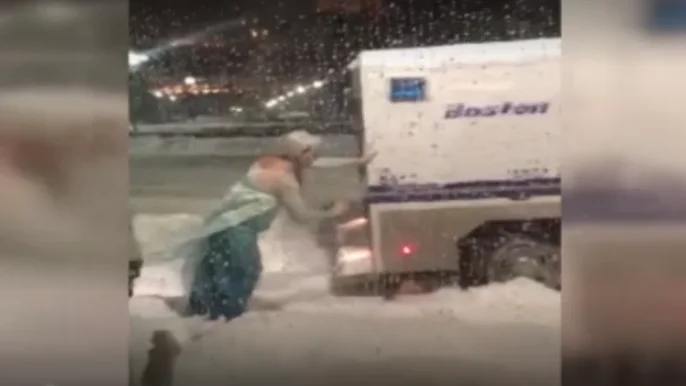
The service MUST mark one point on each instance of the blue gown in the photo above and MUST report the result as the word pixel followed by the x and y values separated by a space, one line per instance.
pixel 228 264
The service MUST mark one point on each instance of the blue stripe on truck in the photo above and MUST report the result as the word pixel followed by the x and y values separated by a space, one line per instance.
pixel 650 203
pixel 468 190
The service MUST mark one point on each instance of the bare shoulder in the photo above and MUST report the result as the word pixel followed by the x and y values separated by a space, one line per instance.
pixel 272 173
pixel 275 164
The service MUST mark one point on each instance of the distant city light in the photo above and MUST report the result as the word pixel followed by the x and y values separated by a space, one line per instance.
pixel 172 98
pixel 188 89
pixel 299 90
pixel 257 33
pixel 190 81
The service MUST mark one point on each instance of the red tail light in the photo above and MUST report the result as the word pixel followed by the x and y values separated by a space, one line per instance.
pixel 407 250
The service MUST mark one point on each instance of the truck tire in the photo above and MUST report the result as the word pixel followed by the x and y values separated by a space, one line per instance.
pixel 520 256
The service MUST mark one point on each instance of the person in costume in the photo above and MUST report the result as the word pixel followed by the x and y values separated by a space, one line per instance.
pixel 227 265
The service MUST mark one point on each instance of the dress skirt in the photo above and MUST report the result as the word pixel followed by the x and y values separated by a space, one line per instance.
pixel 227 274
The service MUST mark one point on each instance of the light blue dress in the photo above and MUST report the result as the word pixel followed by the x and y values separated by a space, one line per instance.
pixel 226 260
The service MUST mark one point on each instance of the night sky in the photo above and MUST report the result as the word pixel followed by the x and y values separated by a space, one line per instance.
pixel 267 46
pixel 155 19
pixel 152 20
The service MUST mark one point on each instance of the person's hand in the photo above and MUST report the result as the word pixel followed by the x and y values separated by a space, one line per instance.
pixel 367 158
pixel 339 208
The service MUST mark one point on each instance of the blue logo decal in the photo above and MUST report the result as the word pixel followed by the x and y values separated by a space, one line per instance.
pixel 408 90
pixel 462 110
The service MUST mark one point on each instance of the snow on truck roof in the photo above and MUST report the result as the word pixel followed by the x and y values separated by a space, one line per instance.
pixel 513 51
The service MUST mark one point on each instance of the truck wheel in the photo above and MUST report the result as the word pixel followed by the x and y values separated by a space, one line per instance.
pixel 524 257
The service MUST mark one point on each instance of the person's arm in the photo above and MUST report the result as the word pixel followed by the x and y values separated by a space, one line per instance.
pixel 325 163
pixel 328 163
pixel 289 193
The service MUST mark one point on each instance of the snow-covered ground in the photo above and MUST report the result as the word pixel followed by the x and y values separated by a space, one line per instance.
pixel 501 333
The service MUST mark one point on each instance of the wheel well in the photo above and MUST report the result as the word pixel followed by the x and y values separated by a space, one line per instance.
pixel 475 248
pixel 543 229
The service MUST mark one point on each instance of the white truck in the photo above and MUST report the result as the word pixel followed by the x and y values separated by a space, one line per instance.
pixel 466 184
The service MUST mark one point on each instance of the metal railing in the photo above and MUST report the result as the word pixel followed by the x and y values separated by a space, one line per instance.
pixel 237 129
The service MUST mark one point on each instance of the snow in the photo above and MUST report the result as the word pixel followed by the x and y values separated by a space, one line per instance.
pixel 296 271
pixel 511 327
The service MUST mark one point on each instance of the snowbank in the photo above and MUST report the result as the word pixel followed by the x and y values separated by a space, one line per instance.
pixel 506 333
pixel 295 271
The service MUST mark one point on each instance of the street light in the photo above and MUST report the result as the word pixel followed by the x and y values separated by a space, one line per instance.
pixel 136 59
pixel 190 81
pixel 318 84
pixel 300 89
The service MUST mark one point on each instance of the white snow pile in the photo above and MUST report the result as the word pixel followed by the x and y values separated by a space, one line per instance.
pixel 295 272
